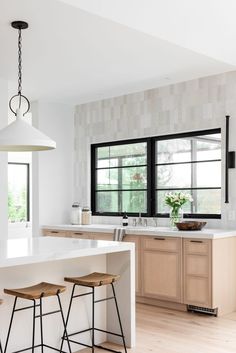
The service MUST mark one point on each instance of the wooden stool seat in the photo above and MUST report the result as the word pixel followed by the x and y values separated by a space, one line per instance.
pixel 37 291
pixel 95 279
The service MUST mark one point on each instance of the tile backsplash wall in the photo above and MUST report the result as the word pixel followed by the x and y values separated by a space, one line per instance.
pixel 193 105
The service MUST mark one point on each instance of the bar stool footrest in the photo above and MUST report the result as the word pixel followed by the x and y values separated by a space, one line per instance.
pixel 107 349
pixel 79 343
pixel 108 332
pixel 90 329
pixel 37 346
pixel 77 333
pixel 27 349
pixel 88 346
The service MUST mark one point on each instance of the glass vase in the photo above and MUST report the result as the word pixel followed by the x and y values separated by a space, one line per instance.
pixel 176 215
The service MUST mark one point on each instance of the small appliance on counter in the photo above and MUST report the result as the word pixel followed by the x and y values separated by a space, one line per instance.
pixel 76 214
pixel 86 216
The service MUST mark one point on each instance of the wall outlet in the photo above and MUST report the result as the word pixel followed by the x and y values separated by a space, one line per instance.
pixel 231 215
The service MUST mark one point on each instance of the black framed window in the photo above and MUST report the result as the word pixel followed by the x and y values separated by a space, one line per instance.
pixel 18 192
pixel 135 175
pixel 120 177
pixel 190 164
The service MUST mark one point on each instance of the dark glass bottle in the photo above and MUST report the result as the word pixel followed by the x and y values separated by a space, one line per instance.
pixel 125 220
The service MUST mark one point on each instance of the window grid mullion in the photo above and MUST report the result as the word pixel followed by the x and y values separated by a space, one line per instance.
pixel 189 162
pixel 123 166
pixel 120 183
pixel 193 176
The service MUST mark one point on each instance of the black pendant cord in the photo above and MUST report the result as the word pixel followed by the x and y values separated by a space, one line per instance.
pixel 19 25
pixel 19 65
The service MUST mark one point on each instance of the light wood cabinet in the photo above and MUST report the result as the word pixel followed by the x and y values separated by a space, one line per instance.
pixel 176 272
pixel 196 291
pixel 161 268
pixel 80 235
pixel 56 233
pixel 138 281
pixel 197 272
pixel 67 234
pixel 102 236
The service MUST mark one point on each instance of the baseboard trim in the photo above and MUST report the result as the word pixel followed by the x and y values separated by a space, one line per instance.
pixel 161 303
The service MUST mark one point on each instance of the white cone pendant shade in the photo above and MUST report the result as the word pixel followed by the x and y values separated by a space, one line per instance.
pixel 20 136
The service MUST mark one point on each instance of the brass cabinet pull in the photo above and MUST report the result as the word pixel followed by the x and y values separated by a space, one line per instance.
pixel 78 233
pixel 196 241
pixel 54 231
pixel 159 238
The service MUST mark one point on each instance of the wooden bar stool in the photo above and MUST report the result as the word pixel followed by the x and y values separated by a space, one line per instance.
pixel 34 293
pixel 93 280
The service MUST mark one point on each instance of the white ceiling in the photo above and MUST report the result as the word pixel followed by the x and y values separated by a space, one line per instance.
pixel 82 50
pixel 204 26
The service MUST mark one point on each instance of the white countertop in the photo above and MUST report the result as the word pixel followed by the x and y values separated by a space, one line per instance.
pixel 25 251
pixel 152 231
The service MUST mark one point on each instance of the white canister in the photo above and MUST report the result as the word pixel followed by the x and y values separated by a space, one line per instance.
pixel 86 216
pixel 76 214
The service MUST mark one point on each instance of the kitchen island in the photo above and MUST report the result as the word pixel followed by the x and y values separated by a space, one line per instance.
pixel 24 262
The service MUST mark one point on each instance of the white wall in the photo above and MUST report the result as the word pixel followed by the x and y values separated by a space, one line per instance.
pixel 53 170
pixel 3 162
pixel 194 105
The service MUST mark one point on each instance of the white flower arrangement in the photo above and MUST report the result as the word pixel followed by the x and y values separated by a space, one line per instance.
pixel 177 199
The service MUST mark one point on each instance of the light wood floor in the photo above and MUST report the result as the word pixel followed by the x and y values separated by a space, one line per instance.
pixel 167 331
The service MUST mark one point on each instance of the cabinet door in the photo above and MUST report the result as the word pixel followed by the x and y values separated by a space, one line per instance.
pixel 137 240
pixel 162 275
pixel 197 272
pixel 55 233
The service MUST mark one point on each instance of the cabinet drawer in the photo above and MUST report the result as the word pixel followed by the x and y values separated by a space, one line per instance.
pixel 55 233
pixel 197 246
pixel 80 235
pixel 162 243
pixel 197 291
pixel 197 265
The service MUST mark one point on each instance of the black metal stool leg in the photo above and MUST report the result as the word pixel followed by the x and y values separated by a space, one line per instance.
pixel 10 325
pixel 118 314
pixel 68 315
pixel 1 347
pixel 93 307
pixel 41 321
pixel 33 333
pixel 64 323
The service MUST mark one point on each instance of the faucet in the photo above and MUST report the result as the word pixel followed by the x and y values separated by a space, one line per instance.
pixel 140 223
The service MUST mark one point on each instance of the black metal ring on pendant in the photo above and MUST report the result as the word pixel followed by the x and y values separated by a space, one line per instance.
pixel 20 97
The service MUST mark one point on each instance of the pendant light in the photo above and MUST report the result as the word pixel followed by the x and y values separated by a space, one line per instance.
pixel 20 136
